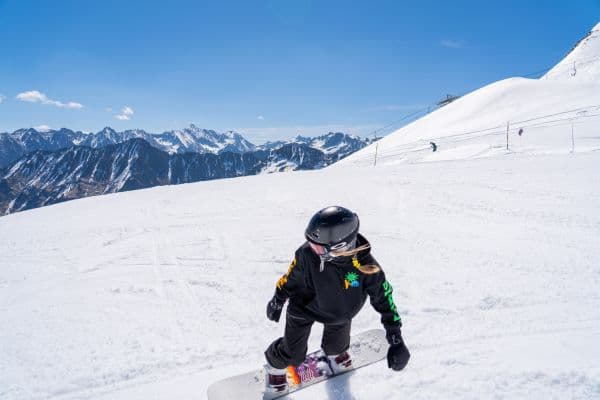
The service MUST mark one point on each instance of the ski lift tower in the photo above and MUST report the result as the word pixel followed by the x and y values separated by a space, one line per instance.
pixel 449 99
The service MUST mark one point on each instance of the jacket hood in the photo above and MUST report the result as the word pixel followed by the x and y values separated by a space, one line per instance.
pixel 361 241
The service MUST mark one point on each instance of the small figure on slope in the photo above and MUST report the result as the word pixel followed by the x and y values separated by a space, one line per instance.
pixel 328 281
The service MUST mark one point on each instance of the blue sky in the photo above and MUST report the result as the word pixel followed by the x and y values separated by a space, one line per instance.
pixel 267 68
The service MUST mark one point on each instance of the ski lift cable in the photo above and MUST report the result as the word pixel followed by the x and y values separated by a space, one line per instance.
pixel 434 107
pixel 495 133
pixel 551 123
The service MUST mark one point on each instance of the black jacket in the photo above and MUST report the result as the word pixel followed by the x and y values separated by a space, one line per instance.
pixel 336 294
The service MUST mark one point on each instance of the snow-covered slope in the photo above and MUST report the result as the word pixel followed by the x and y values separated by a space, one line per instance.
pixel 42 178
pixel 583 61
pixel 556 113
pixel 157 293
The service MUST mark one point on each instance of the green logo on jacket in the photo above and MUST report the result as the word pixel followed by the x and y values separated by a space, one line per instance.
pixel 351 280
pixel 387 292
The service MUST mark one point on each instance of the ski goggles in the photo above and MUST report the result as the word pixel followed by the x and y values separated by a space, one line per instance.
pixel 323 249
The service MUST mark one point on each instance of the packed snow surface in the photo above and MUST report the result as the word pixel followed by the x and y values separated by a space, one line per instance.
pixel 533 116
pixel 157 293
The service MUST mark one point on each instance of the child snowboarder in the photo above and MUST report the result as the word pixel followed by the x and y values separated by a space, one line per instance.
pixel 328 281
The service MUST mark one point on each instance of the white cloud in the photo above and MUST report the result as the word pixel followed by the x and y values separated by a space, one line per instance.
pixel 1 97
pixel 260 117
pixel 126 114
pixel 453 44
pixel 42 128
pixel 34 96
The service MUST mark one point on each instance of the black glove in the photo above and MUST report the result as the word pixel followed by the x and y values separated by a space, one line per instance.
pixel 274 308
pixel 398 354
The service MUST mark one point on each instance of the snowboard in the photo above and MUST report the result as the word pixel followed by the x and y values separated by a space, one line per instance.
pixel 365 348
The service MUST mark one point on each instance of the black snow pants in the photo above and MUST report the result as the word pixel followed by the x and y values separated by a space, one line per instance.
pixel 291 349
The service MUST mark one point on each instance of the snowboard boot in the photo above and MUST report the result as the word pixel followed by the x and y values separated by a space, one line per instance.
pixel 340 362
pixel 276 381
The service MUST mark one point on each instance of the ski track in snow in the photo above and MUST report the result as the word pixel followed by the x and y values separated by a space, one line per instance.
pixel 157 293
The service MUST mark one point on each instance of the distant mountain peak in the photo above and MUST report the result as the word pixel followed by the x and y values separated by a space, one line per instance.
pixel 301 139
pixel 107 130
pixel 195 128
pixel 25 130
pixel 134 131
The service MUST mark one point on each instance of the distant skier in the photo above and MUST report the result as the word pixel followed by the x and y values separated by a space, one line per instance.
pixel 328 281
pixel 433 146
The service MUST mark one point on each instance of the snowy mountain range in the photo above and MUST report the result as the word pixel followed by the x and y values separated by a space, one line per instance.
pixel 62 165
pixel 192 139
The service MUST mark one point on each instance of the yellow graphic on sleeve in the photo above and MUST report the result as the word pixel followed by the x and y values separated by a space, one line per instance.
pixel 283 280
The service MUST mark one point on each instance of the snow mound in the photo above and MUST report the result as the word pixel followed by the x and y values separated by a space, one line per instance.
pixel 582 63
pixel 558 113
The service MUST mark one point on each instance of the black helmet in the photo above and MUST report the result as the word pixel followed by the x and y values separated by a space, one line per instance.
pixel 333 226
